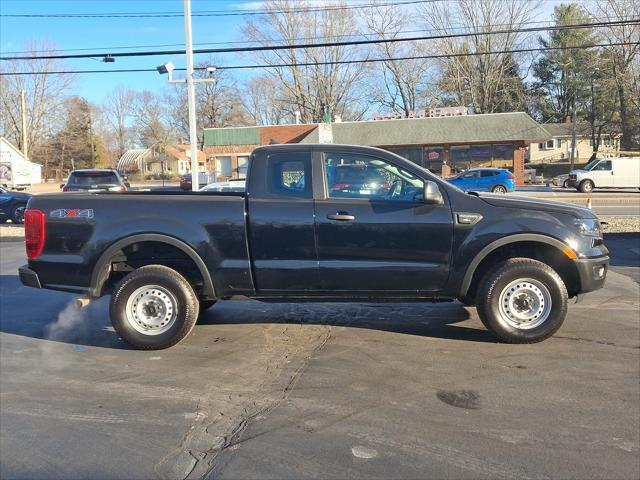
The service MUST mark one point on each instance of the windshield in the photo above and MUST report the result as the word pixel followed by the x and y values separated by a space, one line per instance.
pixel 591 164
pixel 87 179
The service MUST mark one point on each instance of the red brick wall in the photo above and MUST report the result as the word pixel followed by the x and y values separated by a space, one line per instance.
pixel 518 162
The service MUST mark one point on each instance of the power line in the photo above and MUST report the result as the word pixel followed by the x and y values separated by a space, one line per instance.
pixel 325 44
pixel 215 13
pixel 299 39
pixel 342 62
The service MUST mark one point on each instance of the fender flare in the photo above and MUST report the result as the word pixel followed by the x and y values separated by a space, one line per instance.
pixel 101 269
pixel 501 242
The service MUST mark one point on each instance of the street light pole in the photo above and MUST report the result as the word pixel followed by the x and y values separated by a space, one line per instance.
pixel 191 96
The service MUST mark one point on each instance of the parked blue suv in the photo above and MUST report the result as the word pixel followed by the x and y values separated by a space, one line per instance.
pixel 496 180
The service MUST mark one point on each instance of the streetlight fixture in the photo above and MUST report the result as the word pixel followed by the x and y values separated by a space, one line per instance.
pixel 168 68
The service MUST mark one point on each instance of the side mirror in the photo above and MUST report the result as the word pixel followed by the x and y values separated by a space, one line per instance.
pixel 431 193
pixel 125 177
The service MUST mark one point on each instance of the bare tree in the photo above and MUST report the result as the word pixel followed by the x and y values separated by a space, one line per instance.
pixel 218 103
pixel 44 94
pixel 152 124
pixel 306 86
pixel 624 62
pixel 397 84
pixel 488 82
pixel 262 101
pixel 118 110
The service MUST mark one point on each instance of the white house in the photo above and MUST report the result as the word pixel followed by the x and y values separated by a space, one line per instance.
pixel 15 171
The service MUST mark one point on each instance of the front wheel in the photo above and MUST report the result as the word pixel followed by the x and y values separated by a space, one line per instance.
pixel 522 300
pixel 586 186
pixel 499 189
pixel 153 307
pixel 17 213
pixel 565 184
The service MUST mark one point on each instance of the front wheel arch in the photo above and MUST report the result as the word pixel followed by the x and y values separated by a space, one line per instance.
pixel 536 246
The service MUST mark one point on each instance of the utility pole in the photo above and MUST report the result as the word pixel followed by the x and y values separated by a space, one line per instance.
pixel 191 96
pixel 23 111
pixel 572 155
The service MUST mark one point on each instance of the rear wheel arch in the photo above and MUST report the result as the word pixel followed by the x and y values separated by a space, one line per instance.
pixel 102 271
pixel 536 246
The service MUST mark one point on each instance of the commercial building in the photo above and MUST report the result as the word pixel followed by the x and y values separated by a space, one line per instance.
pixel 444 145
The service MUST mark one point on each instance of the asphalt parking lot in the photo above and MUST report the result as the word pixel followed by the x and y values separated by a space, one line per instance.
pixel 321 390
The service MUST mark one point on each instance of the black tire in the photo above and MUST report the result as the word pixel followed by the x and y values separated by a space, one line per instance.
pixel 565 184
pixel 17 213
pixel 586 186
pixel 499 189
pixel 184 305
pixel 495 282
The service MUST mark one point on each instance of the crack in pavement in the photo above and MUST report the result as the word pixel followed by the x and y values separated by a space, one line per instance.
pixel 211 434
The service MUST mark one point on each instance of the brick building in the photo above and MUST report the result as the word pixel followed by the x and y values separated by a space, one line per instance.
pixel 444 145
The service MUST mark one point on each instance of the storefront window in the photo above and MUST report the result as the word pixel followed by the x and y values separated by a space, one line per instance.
pixel 223 167
pixel 242 166
pixel 480 156
pixel 460 158
pixel 412 154
pixel 503 155
pixel 433 158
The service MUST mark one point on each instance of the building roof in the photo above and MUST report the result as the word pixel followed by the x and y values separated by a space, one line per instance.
pixel 482 128
pixel 130 159
pixel 583 129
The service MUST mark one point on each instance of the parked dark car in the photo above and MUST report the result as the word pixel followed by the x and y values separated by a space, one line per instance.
pixel 95 180
pixel 12 205
pixel 165 256
pixel 496 180
pixel 186 182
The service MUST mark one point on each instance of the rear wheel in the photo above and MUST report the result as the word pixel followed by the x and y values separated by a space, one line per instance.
pixel 153 307
pixel 522 301
pixel 17 213
pixel 586 186
pixel 499 189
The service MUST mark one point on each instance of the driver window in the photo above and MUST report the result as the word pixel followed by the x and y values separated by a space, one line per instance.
pixel 360 176
pixel 603 165
pixel 473 174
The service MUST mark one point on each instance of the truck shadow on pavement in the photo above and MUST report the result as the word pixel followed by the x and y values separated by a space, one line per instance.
pixel 54 318
pixel 421 319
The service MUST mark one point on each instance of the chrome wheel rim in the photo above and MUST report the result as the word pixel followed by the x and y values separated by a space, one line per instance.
pixel 525 304
pixel 151 310
pixel 588 186
pixel 19 214
pixel 500 190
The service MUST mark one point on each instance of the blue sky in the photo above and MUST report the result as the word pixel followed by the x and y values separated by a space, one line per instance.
pixel 94 33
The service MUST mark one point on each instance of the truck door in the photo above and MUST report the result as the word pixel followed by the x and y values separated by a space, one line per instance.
pixel 281 223
pixel 602 174
pixel 374 231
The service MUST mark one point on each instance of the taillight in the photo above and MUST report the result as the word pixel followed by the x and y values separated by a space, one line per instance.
pixel 34 232
pixel 66 189
pixel 510 177
pixel 123 189
pixel 340 186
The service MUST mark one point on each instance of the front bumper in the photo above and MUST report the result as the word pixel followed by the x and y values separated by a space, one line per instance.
pixel 592 273
pixel 28 277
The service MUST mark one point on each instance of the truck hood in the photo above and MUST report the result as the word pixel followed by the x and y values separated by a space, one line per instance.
pixel 20 195
pixel 530 203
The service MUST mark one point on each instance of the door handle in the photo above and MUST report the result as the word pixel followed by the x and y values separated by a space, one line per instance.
pixel 341 217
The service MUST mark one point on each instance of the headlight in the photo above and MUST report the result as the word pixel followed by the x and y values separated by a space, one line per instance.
pixel 589 227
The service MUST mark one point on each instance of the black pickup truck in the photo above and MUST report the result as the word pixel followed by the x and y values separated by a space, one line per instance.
pixel 316 223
